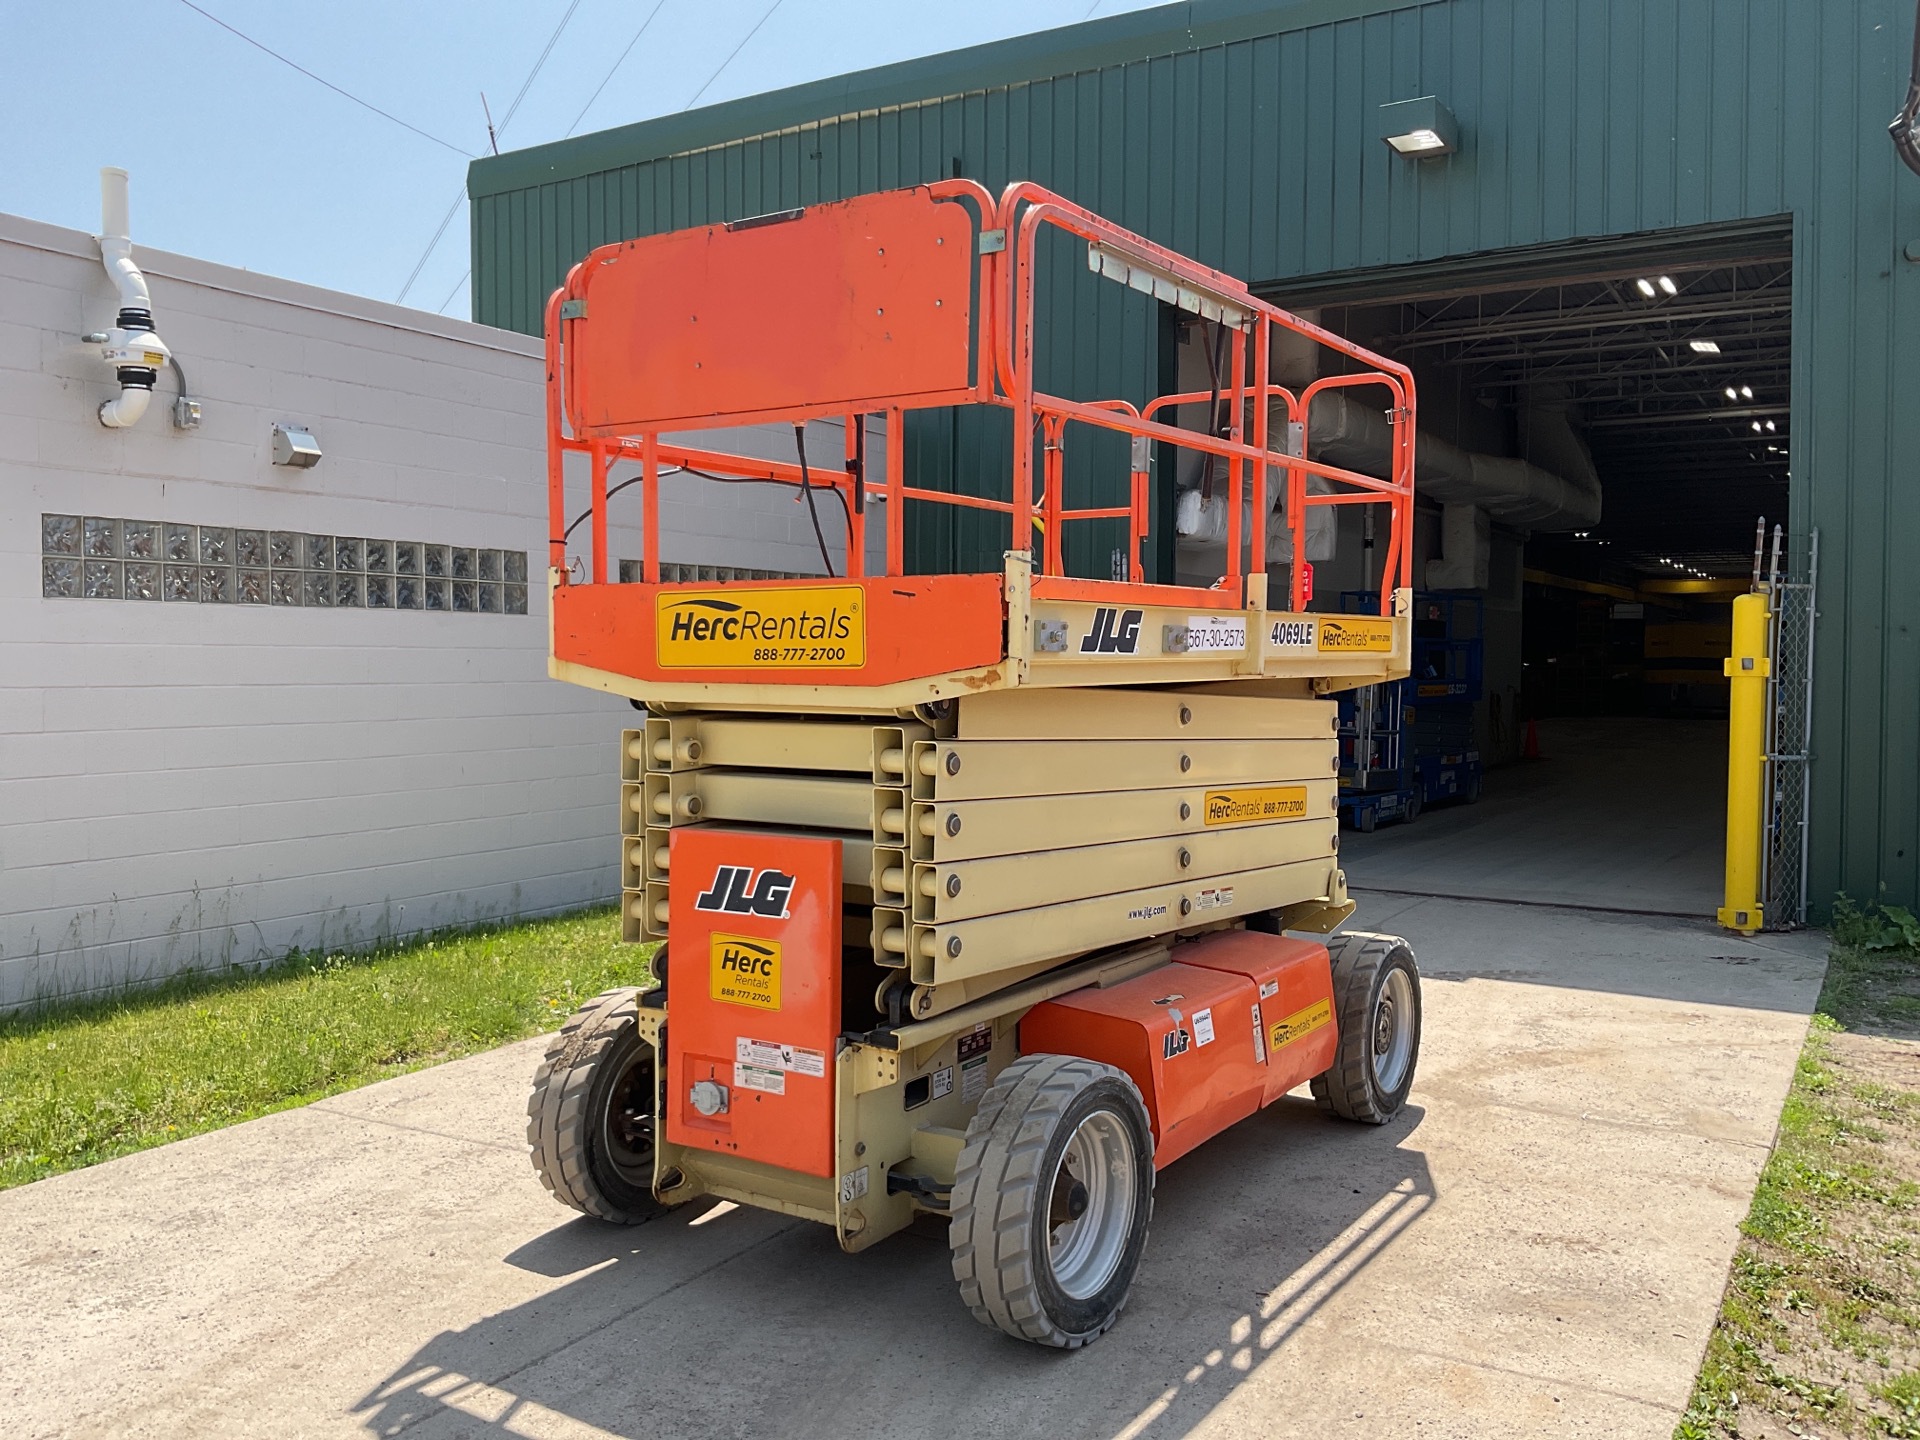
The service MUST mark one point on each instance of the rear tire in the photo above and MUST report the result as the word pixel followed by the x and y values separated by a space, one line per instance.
pixel 1412 811
pixel 1376 1002
pixel 1365 817
pixel 590 1119
pixel 1051 1199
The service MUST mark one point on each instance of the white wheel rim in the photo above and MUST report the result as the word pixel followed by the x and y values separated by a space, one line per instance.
pixel 1392 1031
pixel 1096 1174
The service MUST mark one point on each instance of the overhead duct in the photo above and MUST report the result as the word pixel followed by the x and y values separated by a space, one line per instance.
pixel 1354 434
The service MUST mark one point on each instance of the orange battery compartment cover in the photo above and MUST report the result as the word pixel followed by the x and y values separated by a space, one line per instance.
pixel 1186 1036
pixel 1295 983
pixel 753 995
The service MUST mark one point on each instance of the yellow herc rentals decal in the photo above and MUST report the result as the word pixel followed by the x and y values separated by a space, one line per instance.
pixel 746 971
pixel 1255 803
pixel 822 627
pixel 1305 1022
pixel 1355 632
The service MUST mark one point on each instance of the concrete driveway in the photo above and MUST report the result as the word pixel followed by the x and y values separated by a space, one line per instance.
pixel 1537 1246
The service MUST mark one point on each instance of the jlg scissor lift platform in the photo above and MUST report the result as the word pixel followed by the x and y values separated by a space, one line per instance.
pixel 974 892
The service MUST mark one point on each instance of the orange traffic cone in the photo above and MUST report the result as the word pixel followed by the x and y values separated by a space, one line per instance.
pixel 1531 749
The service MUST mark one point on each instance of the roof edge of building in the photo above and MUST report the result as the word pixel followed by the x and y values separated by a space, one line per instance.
pixel 1136 35
pixel 258 285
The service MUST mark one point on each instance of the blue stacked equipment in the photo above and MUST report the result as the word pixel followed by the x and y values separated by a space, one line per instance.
pixel 1410 743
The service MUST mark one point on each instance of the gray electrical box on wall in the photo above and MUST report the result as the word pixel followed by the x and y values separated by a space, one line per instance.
pixel 294 445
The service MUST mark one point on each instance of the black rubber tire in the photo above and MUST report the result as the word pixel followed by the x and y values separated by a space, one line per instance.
pixel 1471 793
pixel 1363 965
pixel 1365 817
pixel 999 1228
pixel 598 1064
pixel 1413 808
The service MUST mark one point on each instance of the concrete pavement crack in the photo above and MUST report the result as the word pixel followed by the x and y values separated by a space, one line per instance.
pixel 324 1108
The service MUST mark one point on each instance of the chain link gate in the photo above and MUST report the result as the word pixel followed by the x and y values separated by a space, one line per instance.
pixel 1794 611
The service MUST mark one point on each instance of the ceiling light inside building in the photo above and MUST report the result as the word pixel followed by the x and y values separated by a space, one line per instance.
pixel 1746 392
pixel 1422 128
pixel 1645 287
pixel 1704 347
pixel 1667 285
pixel 1769 425
pixel 1732 394
pixel 1756 426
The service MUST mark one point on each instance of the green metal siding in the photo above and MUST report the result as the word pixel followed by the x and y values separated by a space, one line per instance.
pixel 1243 134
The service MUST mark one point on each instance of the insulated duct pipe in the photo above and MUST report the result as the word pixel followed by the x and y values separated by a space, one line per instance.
pixel 1355 436
pixel 131 347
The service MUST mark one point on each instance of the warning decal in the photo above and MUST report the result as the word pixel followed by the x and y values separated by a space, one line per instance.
pixel 753 1077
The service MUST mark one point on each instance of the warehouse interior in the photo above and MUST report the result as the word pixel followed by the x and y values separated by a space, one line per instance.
pixel 1599 435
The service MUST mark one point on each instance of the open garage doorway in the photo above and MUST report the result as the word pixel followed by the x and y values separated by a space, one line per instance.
pixel 1601 426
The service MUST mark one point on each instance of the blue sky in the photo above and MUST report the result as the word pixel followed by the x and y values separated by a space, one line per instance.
pixel 237 158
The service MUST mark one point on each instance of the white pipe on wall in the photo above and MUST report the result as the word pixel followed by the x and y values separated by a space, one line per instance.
pixel 116 242
pixel 131 347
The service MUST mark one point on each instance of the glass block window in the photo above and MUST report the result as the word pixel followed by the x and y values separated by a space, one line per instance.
pixel 93 557
pixel 633 571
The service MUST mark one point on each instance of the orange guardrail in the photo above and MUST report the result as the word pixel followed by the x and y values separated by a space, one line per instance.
pixel 911 300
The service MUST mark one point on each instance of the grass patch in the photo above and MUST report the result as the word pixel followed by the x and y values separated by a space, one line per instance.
pixel 90 1080
pixel 1819 1329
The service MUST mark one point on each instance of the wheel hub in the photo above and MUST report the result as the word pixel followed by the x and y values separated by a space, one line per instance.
pixel 1383 1026
pixel 1090 1205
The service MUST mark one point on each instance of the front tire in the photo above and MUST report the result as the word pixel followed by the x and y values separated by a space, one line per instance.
pixel 591 1118
pixel 1376 1001
pixel 1051 1200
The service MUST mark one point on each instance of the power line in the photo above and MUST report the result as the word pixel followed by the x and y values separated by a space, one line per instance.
pixel 736 50
pixel 659 4
pixel 616 66
pixel 453 205
pixel 344 94
pixel 464 275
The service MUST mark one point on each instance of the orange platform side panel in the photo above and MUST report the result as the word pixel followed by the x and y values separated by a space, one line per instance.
pixel 753 978
pixel 873 631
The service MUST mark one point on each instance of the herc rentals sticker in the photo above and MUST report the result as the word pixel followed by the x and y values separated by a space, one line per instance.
pixel 818 627
pixel 744 970
pixel 1355 632
pixel 1215 633
pixel 1253 804
pixel 1303 1022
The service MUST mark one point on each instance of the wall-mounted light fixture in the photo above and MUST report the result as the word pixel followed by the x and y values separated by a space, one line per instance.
pixel 294 445
pixel 1421 128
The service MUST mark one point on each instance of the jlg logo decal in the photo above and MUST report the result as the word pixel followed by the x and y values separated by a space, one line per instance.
pixel 745 971
pixel 741 890
pixel 1179 1040
pixel 1114 632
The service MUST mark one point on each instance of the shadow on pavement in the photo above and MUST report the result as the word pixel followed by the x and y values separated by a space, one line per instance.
pixel 753 1324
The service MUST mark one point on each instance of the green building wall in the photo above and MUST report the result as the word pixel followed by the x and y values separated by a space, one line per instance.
pixel 1243 134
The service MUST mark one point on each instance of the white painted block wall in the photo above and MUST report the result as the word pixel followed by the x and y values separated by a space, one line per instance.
pixel 187 784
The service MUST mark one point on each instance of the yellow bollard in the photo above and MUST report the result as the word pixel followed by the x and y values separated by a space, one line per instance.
pixel 1746 670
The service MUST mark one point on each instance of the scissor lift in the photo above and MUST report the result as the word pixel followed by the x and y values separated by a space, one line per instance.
pixel 976 895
